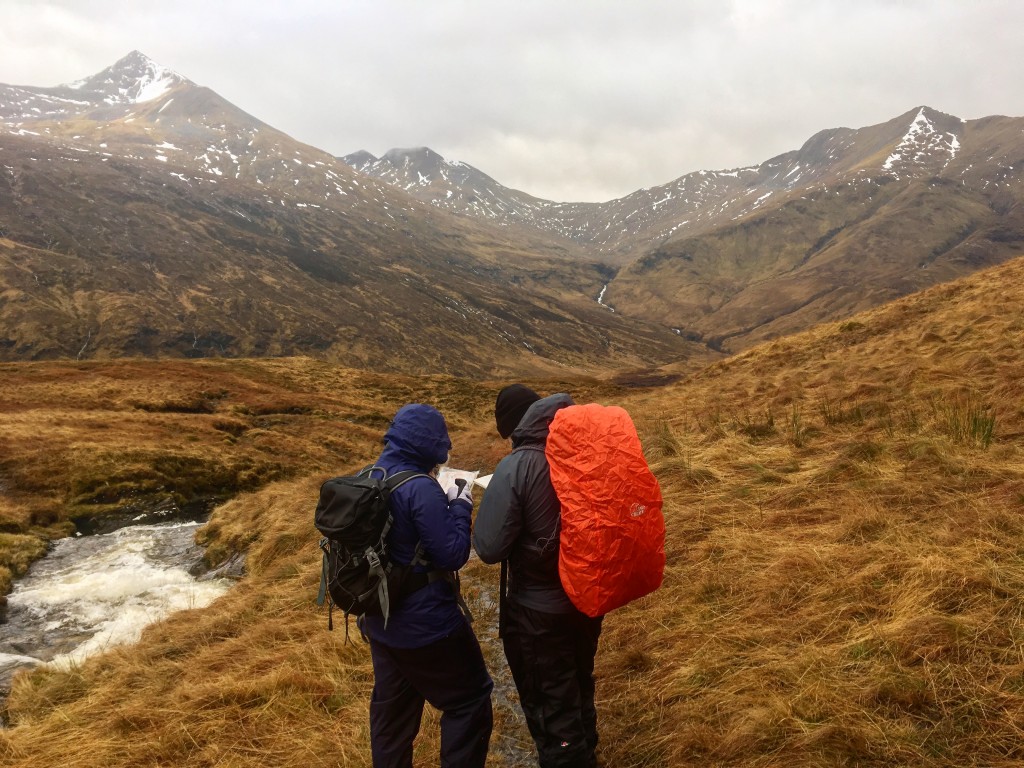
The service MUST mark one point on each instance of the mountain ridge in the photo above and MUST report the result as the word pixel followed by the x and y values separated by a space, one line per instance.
pixel 704 265
pixel 585 221
pixel 737 256
pixel 182 225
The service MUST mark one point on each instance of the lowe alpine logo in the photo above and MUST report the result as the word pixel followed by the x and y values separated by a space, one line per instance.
pixel 637 510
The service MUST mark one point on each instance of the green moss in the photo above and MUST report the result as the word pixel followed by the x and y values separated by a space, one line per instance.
pixel 17 553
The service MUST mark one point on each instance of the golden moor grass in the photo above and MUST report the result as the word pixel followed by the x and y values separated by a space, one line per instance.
pixel 843 587
pixel 80 439
pixel 258 680
pixel 845 563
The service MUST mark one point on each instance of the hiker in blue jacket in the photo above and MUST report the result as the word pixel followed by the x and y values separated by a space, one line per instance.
pixel 549 644
pixel 427 651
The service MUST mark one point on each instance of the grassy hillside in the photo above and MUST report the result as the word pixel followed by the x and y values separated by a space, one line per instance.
pixel 85 440
pixel 845 550
pixel 112 257
pixel 845 545
pixel 822 256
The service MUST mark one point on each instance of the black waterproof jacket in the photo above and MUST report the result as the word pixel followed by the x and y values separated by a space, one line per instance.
pixel 519 516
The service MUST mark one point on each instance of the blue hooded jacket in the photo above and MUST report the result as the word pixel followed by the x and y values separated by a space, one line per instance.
pixel 418 439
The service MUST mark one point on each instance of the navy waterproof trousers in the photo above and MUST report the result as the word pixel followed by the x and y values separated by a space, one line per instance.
pixel 551 656
pixel 451 675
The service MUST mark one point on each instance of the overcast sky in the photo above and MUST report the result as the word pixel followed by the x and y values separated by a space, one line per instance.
pixel 564 99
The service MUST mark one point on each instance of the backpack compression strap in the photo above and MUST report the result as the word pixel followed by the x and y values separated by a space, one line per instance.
pixel 393 482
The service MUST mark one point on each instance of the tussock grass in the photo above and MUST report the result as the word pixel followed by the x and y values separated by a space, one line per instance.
pixel 88 439
pixel 841 589
pixel 16 554
pixel 256 681
pixel 851 597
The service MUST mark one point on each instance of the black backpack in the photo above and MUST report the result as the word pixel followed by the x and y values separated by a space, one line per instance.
pixel 354 516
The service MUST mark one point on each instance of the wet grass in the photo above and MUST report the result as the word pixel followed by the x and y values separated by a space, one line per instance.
pixel 843 574
pixel 81 440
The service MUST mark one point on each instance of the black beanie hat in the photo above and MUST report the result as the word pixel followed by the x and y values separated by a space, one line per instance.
pixel 512 403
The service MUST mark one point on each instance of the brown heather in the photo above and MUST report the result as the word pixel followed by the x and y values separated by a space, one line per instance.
pixel 845 543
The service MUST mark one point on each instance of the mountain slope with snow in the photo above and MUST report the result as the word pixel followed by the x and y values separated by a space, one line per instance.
pixel 141 213
pixel 853 218
pixel 713 259
pixel 619 230
pixel 920 200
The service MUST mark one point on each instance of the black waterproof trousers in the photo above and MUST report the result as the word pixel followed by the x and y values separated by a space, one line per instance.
pixel 551 656
pixel 450 674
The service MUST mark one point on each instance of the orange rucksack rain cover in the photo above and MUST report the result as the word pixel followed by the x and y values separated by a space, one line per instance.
pixel 612 541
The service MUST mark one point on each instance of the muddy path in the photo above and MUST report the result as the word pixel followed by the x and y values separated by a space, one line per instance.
pixel 511 744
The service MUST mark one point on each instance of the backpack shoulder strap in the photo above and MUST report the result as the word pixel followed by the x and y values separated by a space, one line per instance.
pixel 558 521
pixel 401 478
pixel 393 482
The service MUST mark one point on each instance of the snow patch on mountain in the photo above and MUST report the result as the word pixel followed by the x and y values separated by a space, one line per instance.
pixel 920 143
pixel 153 85
pixel 134 79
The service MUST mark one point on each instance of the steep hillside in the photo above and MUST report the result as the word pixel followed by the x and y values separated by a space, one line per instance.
pixel 846 542
pixel 844 570
pixel 141 214
pixel 854 218
pixel 939 205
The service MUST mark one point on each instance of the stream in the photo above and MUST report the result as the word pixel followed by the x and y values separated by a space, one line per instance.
pixel 93 592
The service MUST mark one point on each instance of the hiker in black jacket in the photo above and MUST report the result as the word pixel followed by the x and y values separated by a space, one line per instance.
pixel 549 644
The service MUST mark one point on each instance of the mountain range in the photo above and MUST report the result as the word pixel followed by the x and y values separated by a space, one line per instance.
pixel 852 219
pixel 143 214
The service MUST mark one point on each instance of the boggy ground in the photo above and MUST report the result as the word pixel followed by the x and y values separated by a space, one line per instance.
pixel 845 548
pixel 94 439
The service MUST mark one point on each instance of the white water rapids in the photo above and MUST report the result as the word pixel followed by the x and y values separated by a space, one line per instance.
pixel 93 592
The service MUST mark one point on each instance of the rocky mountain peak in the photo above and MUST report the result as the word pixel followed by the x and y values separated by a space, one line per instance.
pixel 930 143
pixel 421 159
pixel 447 183
pixel 360 159
pixel 133 79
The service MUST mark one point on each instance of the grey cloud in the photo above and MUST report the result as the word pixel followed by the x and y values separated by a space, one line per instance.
pixel 579 99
